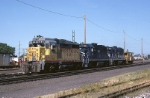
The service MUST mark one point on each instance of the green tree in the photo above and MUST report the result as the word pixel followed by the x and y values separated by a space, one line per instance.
pixel 4 49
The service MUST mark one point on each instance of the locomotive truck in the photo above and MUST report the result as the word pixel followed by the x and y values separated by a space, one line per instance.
pixel 50 54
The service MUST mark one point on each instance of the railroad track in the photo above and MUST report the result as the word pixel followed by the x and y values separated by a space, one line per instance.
pixel 3 76
pixel 18 78
pixel 116 94
pixel 126 90
pixel 8 66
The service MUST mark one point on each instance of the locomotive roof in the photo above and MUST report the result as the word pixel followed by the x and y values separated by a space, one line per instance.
pixel 93 45
pixel 52 40
pixel 63 41
pixel 86 45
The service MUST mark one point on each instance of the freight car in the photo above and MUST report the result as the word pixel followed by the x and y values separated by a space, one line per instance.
pixel 50 54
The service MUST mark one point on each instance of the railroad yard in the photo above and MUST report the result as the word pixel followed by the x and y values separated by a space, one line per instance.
pixel 46 86
pixel 38 59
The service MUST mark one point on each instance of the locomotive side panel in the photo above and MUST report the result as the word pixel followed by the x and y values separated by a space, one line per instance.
pixel 70 54
pixel 102 51
pixel 62 50
pixel 51 54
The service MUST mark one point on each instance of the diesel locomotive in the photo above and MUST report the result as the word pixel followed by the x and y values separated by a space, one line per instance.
pixel 50 54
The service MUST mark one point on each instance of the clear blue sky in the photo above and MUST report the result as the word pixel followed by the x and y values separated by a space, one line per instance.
pixel 21 22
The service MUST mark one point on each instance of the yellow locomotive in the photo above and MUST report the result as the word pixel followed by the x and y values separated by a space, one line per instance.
pixel 129 57
pixel 51 54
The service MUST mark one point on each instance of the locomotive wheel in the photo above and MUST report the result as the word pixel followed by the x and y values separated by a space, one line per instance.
pixel 123 63
pixel 51 68
pixel 79 66
pixel 72 67
pixel 97 65
pixel 114 63
pixel 46 68
pixel 90 65
pixel 85 66
pixel 130 62
pixel 106 64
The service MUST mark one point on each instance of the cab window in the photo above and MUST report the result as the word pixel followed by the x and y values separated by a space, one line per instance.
pixel 47 45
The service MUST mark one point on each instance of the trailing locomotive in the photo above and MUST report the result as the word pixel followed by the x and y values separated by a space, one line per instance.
pixel 100 55
pixel 50 54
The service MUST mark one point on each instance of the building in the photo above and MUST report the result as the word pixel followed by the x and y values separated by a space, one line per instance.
pixel 5 52
pixel 4 59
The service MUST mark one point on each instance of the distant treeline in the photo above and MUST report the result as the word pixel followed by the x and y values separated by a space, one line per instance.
pixel 5 49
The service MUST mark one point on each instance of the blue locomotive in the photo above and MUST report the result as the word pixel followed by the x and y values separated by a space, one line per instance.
pixel 93 55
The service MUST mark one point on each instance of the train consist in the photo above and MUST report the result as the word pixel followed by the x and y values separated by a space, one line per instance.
pixel 50 54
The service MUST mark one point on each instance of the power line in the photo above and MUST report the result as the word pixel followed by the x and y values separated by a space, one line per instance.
pixel 137 39
pixel 132 37
pixel 74 17
pixel 47 10
pixel 101 26
pixel 113 31
pixel 63 14
pixel 146 42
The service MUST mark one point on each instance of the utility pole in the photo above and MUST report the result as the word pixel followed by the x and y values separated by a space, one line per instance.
pixel 124 40
pixel 142 49
pixel 19 50
pixel 73 36
pixel 84 29
pixel 23 51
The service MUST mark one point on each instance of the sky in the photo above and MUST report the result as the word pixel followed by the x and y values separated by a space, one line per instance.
pixel 21 20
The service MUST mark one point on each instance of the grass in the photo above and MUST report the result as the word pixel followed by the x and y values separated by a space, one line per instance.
pixel 105 86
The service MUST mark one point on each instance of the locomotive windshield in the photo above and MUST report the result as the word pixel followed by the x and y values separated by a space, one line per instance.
pixel 36 44
pixel 83 49
pixel 37 41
